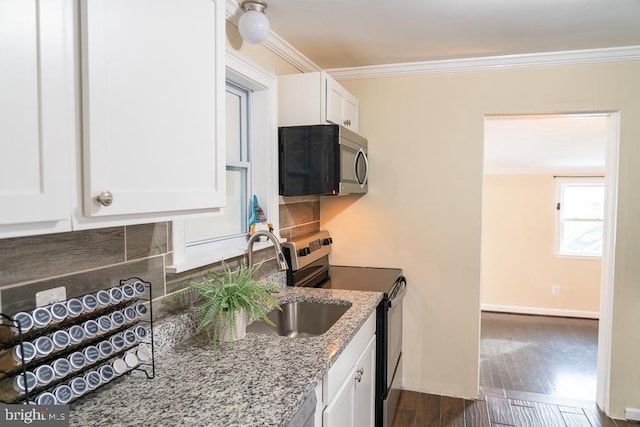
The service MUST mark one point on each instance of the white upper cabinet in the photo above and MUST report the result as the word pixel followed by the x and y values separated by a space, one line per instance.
pixel 315 98
pixel 152 106
pixel 342 107
pixel 37 116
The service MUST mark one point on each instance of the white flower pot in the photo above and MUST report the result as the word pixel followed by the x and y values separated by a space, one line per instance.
pixel 241 329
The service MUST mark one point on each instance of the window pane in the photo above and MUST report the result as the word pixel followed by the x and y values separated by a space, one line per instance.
pixel 234 126
pixel 233 221
pixel 583 201
pixel 582 237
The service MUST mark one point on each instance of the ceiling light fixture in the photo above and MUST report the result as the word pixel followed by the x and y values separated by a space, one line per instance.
pixel 253 24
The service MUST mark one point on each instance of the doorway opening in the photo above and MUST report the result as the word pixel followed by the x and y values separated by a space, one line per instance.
pixel 547 263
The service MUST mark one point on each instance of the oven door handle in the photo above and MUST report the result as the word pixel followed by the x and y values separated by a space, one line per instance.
pixel 399 289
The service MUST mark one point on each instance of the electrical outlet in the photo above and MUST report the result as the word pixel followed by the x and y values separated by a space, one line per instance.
pixel 555 290
pixel 50 296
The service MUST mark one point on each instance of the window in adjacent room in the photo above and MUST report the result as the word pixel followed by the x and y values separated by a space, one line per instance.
pixel 580 213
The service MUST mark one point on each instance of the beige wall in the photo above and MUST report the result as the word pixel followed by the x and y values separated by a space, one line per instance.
pixel 518 262
pixel 423 210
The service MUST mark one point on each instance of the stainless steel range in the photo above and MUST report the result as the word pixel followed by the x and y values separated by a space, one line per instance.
pixel 308 259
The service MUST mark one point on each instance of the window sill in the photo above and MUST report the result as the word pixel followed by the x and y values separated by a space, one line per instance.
pixel 200 256
pixel 583 257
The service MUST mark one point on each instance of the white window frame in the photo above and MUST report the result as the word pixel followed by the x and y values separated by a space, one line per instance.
pixel 263 135
pixel 560 182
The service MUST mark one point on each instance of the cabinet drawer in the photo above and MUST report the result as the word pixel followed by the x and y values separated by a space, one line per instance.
pixel 345 362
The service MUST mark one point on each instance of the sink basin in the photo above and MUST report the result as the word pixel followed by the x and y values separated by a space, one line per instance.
pixel 300 319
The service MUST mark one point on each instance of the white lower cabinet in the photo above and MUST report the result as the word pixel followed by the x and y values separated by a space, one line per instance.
pixel 349 386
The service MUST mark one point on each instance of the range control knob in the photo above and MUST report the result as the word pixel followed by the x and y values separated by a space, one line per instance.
pixel 327 241
pixel 304 252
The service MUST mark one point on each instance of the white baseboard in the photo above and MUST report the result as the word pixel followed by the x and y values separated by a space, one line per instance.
pixel 633 414
pixel 541 311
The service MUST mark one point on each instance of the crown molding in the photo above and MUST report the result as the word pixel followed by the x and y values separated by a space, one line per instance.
pixel 284 50
pixel 568 171
pixel 627 53
pixel 274 42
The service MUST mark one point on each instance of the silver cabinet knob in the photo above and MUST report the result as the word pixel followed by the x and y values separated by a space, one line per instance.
pixel 105 198
pixel 359 374
pixel 347 122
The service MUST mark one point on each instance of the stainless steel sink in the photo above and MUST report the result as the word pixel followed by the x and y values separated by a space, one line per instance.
pixel 300 319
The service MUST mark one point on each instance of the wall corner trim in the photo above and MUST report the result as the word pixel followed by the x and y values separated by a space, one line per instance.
pixel 541 311
pixel 626 53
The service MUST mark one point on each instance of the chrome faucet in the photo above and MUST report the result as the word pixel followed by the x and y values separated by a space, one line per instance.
pixel 282 263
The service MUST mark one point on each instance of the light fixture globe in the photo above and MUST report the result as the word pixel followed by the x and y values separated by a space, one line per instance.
pixel 253 24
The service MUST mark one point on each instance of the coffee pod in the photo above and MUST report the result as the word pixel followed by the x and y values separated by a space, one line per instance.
pixel 46 398
pixel 93 380
pixel 59 312
pixel 139 287
pixel 116 295
pixel 107 373
pixel 61 340
pixel 104 299
pixel 119 366
pixel 105 324
pixel 143 355
pixel 117 318
pixel 141 309
pixel 77 360
pixel 131 360
pixel 63 394
pixel 89 303
pixel 130 337
pixel 106 349
pixel 128 292
pixel 91 328
pixel 61 367
pixel 78 386
pixel 76 334
pixel 44 374
pixel 74 307
pixel 117 341
pixel 44 346
pixel 41 317
pixel 141 332
pixel 91 353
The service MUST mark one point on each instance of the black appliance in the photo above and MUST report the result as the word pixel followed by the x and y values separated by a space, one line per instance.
pixel 308 259
pixel 321 159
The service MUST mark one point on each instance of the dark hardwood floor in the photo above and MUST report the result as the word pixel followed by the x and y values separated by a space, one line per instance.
pixel 539 354
pixel 497 408
pixel 535 371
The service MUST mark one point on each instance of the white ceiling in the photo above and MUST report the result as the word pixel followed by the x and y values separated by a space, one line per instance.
pixel 545 143
pixel 350 33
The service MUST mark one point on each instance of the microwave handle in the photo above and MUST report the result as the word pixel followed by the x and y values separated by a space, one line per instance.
pixel 366 167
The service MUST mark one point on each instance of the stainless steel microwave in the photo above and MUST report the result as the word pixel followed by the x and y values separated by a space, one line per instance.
pixel 321 159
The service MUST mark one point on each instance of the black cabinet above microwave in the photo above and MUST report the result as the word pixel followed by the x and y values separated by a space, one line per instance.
pixel 321 159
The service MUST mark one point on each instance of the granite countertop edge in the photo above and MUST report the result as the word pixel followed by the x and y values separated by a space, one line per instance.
pixel 260 380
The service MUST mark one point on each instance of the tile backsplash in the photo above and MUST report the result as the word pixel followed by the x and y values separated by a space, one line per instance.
pixel 89 260
pixel 299 216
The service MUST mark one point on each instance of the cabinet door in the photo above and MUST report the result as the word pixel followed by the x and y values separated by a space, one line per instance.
pixel 350 109
pixel 340 411
pixel 153 111
pixel 364 394
pixel 36 113
pixel 334 103
pixel 342 107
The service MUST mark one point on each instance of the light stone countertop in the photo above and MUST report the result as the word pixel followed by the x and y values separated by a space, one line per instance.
pixel 261 380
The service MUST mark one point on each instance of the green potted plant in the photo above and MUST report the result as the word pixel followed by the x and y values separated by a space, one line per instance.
pixel 226 300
